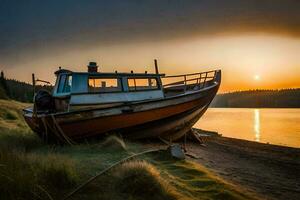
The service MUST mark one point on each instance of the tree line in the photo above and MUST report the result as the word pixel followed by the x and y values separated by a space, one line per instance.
pixel 18 90
pixel 284 98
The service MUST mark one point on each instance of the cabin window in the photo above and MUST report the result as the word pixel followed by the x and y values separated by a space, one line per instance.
pixel 104 84
pixel 65 84
pixel 137 84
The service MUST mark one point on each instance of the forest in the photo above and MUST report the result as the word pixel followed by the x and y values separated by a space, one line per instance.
pixel 17 90
pixel 284 98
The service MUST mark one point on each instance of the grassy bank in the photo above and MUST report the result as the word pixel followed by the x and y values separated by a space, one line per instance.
pixel 30 169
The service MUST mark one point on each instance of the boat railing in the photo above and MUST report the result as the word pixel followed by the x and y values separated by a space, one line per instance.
pixel 188 81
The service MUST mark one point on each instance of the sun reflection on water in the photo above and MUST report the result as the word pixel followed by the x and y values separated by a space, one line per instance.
pixel 257 125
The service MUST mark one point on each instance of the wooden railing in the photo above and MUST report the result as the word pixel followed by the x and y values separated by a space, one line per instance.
pixel 186 80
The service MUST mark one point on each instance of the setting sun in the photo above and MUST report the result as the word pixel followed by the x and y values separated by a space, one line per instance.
pixel 256 77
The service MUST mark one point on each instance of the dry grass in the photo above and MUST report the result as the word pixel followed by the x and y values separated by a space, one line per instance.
pixel 113 142
pixel 11 114
pixel 30 169
pixel 141 180
pixel 195 181
pixel 35 176
pixel 134 180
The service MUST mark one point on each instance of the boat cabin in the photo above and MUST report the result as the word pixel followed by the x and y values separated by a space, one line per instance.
pixel 75 89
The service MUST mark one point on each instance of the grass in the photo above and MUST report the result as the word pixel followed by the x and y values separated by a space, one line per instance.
pixel 30 169
pixel 195 181
pixel 11 114
pixel 139 177
pixel 114 143
pixel 31 176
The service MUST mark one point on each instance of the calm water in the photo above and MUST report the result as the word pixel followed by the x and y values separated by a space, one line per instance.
pixel 274 126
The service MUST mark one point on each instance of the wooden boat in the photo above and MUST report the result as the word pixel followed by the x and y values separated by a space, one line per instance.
pixel 136 105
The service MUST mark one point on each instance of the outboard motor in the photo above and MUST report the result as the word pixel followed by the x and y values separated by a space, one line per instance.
pixel 44 101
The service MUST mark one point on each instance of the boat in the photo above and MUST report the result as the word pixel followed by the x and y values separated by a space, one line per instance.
pixel 93 104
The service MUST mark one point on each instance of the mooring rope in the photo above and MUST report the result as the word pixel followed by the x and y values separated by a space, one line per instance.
pixel 108 168
pixel 51 128
pixel 55 129
pixel 66 138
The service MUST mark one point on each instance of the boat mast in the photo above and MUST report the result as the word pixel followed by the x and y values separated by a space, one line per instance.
pixel 156 66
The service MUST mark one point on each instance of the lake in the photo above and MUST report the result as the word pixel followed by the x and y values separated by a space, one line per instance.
pixel 274 126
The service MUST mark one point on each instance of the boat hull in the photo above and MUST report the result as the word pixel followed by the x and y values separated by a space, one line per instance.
pixel 168 118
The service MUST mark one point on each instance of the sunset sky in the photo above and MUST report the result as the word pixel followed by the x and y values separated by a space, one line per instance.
pixel 256 43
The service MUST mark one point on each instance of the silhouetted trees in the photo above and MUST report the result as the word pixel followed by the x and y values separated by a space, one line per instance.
pixel 17 90
pixel 285 98
pixel 4 92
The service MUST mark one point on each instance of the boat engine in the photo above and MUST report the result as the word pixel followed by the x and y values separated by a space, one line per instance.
pixel 44 102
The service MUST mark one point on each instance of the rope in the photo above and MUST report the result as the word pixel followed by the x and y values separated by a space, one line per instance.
pixel 66 138
pixel 106 169
pixel 55 129
pixel 51 128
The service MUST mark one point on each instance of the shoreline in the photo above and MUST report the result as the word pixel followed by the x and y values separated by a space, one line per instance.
pixel 268 170
pixel 263 143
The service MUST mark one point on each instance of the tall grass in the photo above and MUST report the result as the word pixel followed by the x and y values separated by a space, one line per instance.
pixel 26 173
pixel 142 180
pixel 33 176
pixel 22 140
pixel 134 180
pixel 31 169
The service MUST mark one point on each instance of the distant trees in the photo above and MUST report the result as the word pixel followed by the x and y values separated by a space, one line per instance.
pixel 285 98
pixel 4 92
pixel 17 90
pixel 20 91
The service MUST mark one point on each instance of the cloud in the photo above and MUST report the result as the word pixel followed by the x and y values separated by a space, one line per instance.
pixel 38 27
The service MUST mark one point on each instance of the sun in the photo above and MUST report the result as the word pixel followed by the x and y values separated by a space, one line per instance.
pixel 256 77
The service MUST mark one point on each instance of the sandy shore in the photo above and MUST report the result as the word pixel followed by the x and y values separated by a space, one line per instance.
pixel 270 171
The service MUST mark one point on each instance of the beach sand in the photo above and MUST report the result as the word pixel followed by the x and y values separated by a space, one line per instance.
pixel 270 171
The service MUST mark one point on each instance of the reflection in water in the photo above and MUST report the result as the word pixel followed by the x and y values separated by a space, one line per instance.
pixel 257 125
pixel 275 126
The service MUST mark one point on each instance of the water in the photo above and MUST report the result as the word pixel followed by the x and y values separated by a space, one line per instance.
pixel 274 126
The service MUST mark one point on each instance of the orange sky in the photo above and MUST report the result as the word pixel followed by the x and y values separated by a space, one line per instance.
pixel 275 59
pixel 255 43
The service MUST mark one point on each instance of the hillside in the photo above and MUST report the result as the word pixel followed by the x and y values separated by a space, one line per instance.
pixel 18 90
pixel 11 115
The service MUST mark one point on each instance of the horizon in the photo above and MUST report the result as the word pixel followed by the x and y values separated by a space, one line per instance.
pixel 256 45
pixel 219 92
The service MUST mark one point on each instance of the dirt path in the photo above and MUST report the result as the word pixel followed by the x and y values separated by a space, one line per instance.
pixel 272 172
